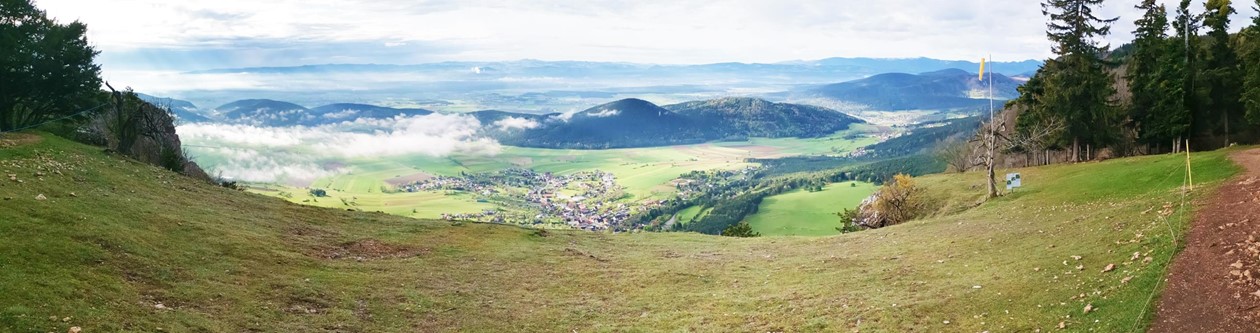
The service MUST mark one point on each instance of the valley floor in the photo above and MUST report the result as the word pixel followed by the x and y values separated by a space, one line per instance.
pixel 106 244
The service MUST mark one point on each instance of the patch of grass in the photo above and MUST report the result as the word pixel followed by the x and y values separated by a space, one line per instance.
pixel 804 213
pixel 133 236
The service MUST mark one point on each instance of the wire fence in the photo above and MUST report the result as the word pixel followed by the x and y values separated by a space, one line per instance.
pixel 76 114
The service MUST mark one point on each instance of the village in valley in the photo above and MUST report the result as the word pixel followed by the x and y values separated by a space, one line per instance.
pixel 589 200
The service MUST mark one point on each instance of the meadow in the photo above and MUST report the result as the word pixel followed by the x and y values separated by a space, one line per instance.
pixel 805 213
pixel 121 246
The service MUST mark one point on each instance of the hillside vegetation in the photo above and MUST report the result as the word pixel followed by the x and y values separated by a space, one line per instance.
pixel 121 246
pixel 637 123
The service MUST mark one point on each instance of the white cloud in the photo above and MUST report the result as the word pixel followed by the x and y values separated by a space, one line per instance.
pixel 605 113
pixel 302 154
pixel 676 31
pixel 343 114
pixel 515 123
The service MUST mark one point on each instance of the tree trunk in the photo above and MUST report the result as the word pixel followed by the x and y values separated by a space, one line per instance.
pixel 1076 150
pixel 990 162
pixel 1226 129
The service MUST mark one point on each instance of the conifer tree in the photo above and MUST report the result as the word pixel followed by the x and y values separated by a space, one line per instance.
pixel 1220 89
pixel 1077 88
pixel 1155 79
pixel 1249 52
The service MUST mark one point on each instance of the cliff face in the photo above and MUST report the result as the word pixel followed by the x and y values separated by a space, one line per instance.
pixel 143 131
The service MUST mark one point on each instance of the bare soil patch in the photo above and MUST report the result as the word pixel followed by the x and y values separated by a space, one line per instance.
pixel 10 140
pixel 1214 283
pixel 369 249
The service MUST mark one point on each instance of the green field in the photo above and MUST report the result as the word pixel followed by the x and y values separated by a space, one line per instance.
pixel 645 172
pixel 116 238
pixel 804 213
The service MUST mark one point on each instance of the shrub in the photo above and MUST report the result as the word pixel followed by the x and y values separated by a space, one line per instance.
pixel 848 221
pixel 896 202
pixel 741 229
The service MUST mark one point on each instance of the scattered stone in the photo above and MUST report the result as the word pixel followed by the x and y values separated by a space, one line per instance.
pixel 1126 279
pixel 1110 267
pixel 1089 308
pixel 1146 260
pixel 1135 256
pixel 1257 293
pixel 1236 264
pixel 1036 269
pixel 75 329
pixel 159 306
pixel 66 319
pixel 41 197
pixel 1062 325
pixel 976 287
pixel 1080 267
pixel 1078 258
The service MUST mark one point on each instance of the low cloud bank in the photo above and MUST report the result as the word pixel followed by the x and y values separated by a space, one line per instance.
pixel 298 155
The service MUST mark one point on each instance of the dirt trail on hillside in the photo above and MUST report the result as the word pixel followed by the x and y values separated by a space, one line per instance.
pixel 1214 284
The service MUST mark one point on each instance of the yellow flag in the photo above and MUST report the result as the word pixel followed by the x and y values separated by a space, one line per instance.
pixel 981 69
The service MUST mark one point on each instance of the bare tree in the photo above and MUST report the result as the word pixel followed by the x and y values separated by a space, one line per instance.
pixel 989 137
pixel 1036 139
pixel 955 152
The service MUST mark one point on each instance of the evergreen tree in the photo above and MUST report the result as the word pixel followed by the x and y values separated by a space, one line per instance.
pixel 1219 89
pixel 1076 86
pixel 1155 79
pixel 1249 52
pixel 1184 44
pixel 46 68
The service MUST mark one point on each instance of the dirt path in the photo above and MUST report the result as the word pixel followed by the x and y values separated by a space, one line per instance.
pixel 1214 284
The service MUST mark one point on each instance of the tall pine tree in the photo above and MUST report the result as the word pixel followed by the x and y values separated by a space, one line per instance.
pixel 1185 44
pixel 1077 87
pixel 1220 89
pixel 1155 79
pixel 1249 52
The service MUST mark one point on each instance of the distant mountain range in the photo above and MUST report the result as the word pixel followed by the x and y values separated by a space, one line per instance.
pixel 637 123
pixel 272 113
pixel 939 90
pixel 833 68
pixel 624 123
pixel 185 112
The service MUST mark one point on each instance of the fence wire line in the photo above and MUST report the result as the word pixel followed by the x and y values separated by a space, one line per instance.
pixel 1181 215
pixel 76 114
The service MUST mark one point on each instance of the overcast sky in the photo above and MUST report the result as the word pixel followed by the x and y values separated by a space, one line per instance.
pixel 200 34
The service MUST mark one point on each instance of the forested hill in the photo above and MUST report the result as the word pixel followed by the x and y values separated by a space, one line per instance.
pixel 761 118
pixel 945 89
pixel 638 123
pixel 624 123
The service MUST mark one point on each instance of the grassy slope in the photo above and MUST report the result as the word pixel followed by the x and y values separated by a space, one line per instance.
pixel 803 213
pixel 220 260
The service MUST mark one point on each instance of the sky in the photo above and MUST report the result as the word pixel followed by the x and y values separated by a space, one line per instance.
pixel 201 34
